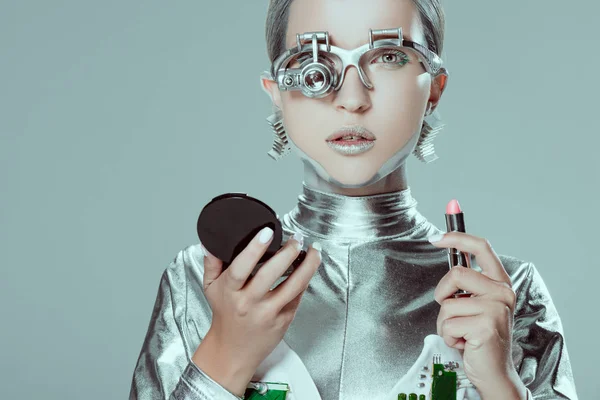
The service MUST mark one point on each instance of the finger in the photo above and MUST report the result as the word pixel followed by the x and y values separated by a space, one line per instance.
pixel 460 307
pixel 465 307
pixel 292 306
pixel 458 330
pixel 482 250
pixel 273 269
pixel 298 281
pixel 212 267
pixel 472 281
pixel 244 263
pixel 477 330
pixel 457 343
pixel 288 312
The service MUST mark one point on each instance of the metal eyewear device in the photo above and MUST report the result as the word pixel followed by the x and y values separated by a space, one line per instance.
pixel 322 67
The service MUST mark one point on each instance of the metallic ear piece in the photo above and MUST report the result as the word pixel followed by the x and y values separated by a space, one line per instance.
pixel 432 125
pixel 281 146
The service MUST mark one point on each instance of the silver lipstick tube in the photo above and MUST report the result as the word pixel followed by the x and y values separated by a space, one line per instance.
pixel 456 223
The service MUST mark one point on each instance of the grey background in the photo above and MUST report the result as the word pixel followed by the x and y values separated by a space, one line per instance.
pixel 120 120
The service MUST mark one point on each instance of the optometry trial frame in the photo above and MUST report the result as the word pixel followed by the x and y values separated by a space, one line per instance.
pixel 324 72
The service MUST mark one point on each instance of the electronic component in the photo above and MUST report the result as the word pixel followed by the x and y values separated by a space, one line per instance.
pixel 443 386
pixel 266 391
pixel 445 380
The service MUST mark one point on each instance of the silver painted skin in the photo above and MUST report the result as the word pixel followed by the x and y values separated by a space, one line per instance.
pixel 362 321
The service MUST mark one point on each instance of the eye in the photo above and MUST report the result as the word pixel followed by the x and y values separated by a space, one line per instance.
pixel 394 57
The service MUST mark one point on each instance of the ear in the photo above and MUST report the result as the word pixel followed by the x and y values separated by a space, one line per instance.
pixel 270 88
pixel 438 85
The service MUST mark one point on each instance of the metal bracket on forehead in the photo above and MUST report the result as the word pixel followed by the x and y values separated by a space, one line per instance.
pixel 398 41
pixel 314 37
pixel 395 39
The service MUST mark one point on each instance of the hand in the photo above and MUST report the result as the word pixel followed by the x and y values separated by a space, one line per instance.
pixel 249 319
pixel 482 324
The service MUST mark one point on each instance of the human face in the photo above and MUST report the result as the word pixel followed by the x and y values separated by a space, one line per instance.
pixel 393 110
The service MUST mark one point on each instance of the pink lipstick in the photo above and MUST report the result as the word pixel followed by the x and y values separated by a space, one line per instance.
pixel 455 222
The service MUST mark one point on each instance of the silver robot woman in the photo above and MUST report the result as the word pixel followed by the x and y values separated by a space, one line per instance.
pixel 321 71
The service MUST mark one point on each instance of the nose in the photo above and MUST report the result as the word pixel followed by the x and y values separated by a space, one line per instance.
pixel 353 96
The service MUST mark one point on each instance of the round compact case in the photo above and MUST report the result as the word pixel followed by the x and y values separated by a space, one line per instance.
pixel 229 222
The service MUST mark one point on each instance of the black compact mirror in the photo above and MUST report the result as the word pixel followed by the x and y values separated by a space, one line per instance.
pixel 230 221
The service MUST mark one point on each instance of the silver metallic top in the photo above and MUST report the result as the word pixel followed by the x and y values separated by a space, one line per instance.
pixel 362 321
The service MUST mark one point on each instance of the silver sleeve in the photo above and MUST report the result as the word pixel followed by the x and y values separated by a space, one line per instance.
pixel 540 352
pixel 164 369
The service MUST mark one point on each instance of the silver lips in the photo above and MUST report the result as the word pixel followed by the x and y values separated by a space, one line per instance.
pixel 346 148
pixel 352 130
pixel 351 149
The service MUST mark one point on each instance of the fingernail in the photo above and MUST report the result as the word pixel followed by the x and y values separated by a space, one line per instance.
pixel 317 247
pixel 436 238
pixel 300 239
pixel 265 235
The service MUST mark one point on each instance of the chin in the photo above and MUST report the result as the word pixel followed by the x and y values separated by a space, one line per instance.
pixel 353 177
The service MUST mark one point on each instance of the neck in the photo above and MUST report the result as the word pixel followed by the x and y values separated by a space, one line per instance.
pixel 393 182
pixel 334 216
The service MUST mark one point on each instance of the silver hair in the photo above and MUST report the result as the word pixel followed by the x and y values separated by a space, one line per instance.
pixel 430 11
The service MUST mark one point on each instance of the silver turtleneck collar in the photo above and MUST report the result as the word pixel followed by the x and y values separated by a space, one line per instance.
pixel 334 216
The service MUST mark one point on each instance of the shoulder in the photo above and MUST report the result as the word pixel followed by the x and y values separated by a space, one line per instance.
pixel 520 271
pixel 527 282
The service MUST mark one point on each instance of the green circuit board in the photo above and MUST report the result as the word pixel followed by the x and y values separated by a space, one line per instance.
pixel 443 385
pixel 274 391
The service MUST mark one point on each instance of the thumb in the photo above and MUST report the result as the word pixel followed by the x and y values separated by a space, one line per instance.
pixel 212 267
